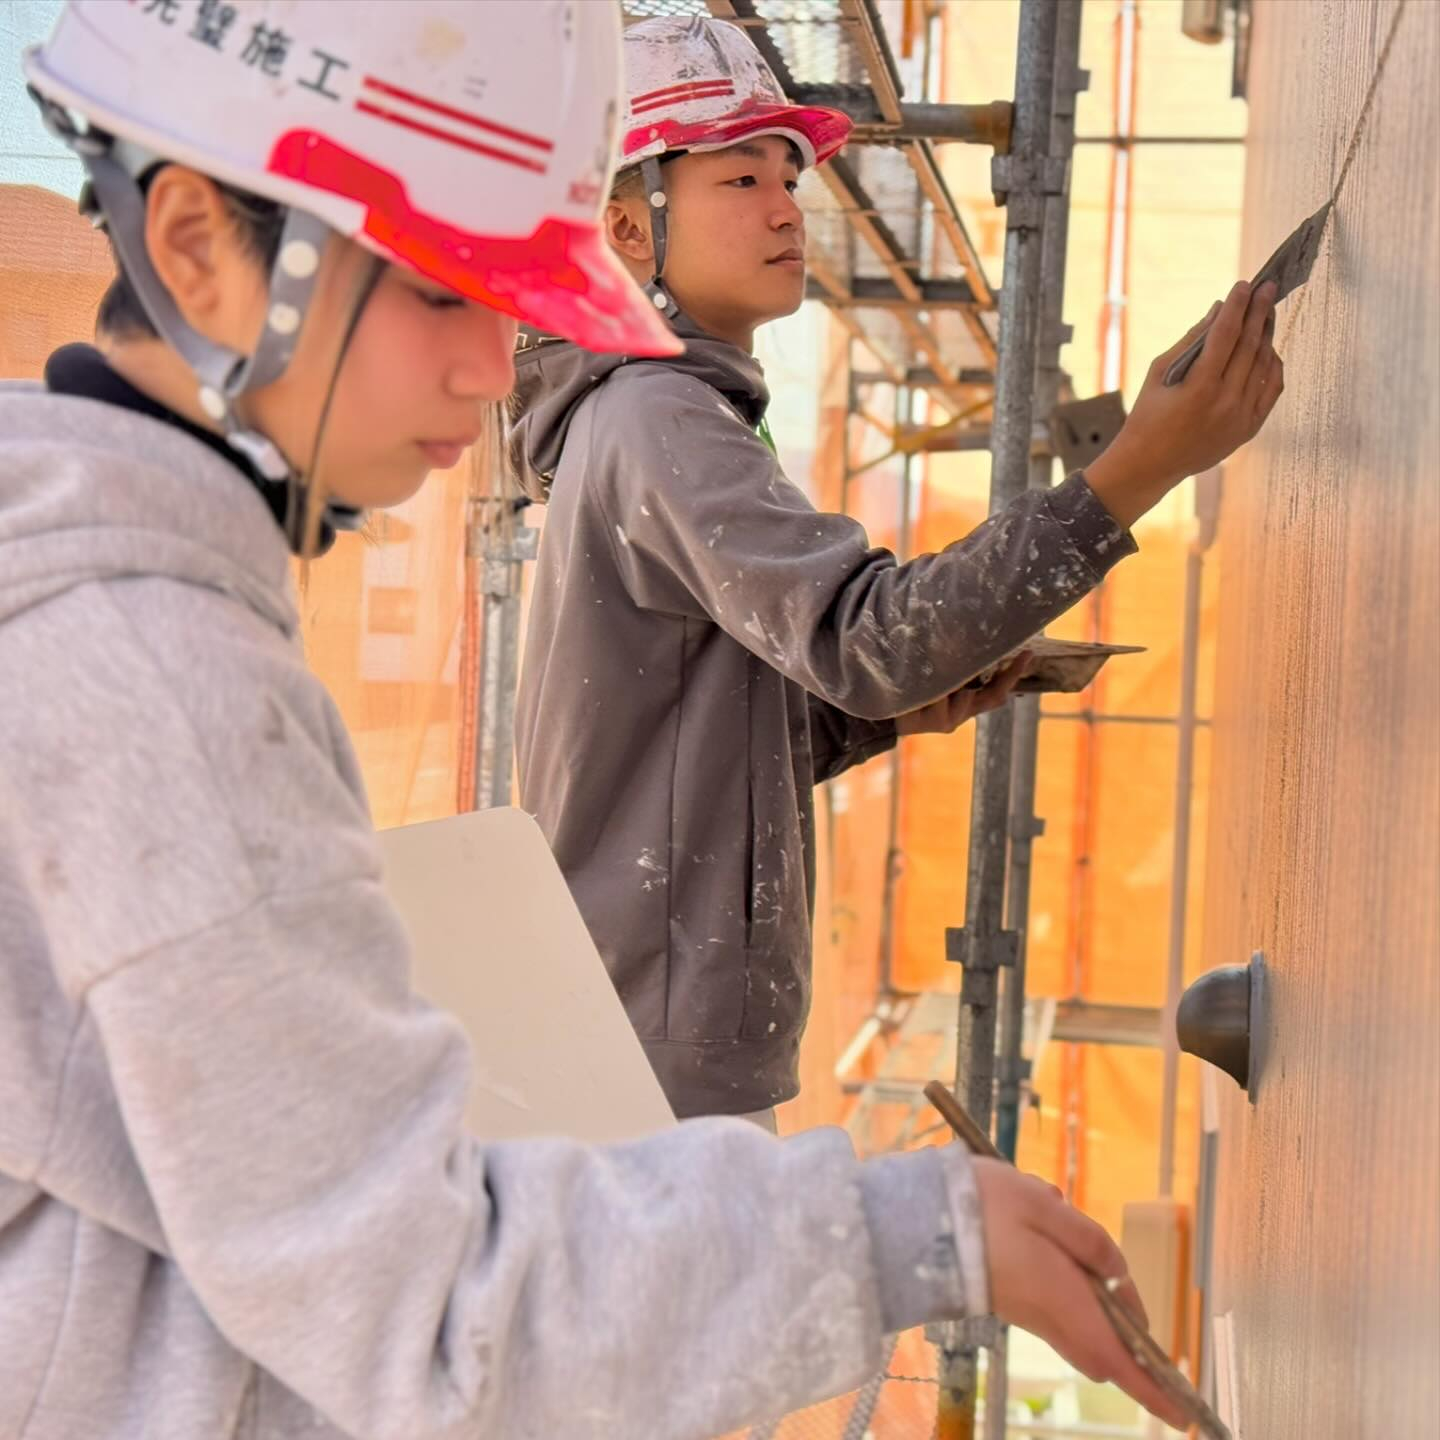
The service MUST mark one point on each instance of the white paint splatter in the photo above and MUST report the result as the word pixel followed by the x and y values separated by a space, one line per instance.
pixel 756 627
pixel 647 861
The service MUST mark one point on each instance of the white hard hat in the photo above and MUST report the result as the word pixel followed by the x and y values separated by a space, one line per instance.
pixel 469 142
pixel 699 84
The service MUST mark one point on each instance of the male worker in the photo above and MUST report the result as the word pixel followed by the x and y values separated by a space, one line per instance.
pixel 704 647
pixel 236 1198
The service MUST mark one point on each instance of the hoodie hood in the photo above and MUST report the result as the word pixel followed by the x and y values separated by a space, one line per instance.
pixel 91 491
pixel 553 377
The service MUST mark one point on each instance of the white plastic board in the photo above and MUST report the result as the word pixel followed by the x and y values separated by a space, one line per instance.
pixel 500 944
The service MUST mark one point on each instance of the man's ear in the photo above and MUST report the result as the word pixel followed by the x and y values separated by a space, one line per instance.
pixel 627 228
pixel 190 236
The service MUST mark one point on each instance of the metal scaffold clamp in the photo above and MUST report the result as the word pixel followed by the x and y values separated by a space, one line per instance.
pixel 1068 86
pixel 1021 184
pixel 503 559
pixel 980 956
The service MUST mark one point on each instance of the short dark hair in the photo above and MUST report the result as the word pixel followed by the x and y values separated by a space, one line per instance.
pixel 627 184
pixel 258 222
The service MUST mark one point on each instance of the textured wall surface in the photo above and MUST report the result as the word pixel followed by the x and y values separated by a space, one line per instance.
pixel 53 270
pixel 1326 805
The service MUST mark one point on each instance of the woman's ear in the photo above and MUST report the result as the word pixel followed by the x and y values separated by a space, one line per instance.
pixel 191 237
pixel 627 228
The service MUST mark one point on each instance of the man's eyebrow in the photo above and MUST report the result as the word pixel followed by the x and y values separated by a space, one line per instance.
pixel 753 151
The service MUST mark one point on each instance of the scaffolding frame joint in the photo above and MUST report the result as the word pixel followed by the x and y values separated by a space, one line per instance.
pixel 502 555
pixel 1068 88
pixel 1053 337
pixel 1022 184
pixel 981 952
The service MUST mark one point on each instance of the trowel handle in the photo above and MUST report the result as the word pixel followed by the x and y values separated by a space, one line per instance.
pixel 958 1119
pixel 1180 367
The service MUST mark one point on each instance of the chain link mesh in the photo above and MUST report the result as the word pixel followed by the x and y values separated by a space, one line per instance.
pixel 899 1404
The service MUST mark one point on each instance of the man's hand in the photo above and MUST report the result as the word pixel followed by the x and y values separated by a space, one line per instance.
pixel 1183 429
pixel 950 712
pixel 1040 1250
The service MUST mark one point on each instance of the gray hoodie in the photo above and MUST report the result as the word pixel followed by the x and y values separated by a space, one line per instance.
pixel 704 647
pixel 236 1198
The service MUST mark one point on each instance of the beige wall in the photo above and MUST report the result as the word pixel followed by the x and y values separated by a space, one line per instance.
pixel 53 271
pixel 1325 836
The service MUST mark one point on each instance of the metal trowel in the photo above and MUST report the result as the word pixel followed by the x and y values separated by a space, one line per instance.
pixel 1289 267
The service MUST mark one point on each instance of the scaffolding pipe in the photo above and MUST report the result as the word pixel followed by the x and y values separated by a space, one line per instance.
pixel 500 548
pixel 1010 474
pixel 1025 826
pixel 982 944
pixel 894 855
pixel 984 124
pixel 997 1387
pixel 1180 861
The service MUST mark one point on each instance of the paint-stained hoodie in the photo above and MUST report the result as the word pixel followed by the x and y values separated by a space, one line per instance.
pixel 237 1201
pixel 704 647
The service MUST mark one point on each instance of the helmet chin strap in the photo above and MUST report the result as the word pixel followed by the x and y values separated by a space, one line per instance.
pixel 116 200
pixel 224 374
pixel 305 523
pixel 653 180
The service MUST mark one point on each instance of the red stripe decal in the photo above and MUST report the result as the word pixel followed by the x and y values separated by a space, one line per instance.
pixel 720 92
pixel 523 161
pixel 518 136
pixel 667 91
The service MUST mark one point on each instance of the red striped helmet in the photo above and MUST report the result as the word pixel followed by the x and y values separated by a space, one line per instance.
pixel 471 142
pixel 699 84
